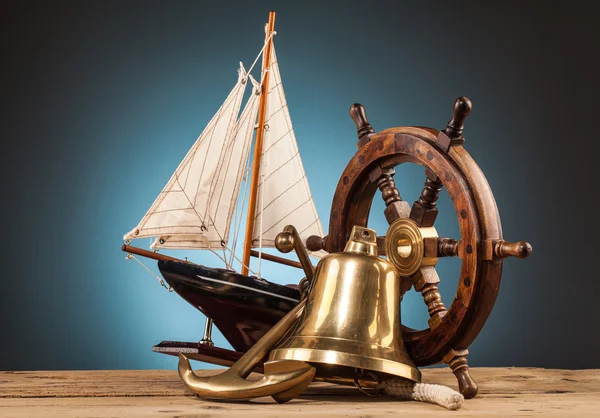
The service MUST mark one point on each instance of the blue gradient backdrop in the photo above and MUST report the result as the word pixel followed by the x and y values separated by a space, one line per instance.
pixel 101 100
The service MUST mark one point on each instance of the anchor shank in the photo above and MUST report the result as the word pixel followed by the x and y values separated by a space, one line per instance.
pixel 244 366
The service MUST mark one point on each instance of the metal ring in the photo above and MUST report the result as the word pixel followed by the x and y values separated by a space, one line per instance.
pixel 360 373
pixel 304 287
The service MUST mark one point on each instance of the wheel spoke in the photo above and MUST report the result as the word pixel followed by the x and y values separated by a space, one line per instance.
pixel 424 210
pixel 396 208
pixel 447 247
pixel 426 281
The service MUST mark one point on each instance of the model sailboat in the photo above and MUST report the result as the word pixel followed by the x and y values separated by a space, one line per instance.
pixel 197 210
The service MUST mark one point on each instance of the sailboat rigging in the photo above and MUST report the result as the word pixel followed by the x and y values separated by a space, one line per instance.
pixel 196 209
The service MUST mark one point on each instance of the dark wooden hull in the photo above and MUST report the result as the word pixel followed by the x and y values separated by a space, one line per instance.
pixel 243 308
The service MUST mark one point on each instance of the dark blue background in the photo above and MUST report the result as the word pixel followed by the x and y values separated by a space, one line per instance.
pixel 101 100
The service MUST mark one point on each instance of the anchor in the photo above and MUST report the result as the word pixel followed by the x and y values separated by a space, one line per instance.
pixel 283 379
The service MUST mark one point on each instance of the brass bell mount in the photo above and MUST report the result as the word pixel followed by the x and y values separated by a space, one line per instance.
pixel 288 240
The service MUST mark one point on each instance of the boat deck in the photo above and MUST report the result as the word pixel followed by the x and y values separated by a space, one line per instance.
pixel 149 393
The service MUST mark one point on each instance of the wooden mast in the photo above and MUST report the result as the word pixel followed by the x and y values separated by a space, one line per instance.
pixel 262 111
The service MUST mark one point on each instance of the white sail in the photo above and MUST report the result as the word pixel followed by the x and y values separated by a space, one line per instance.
pixel 229 177
pixel 186 206
pixel 284 197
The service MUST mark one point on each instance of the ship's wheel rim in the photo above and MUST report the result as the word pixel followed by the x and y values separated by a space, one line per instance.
pixel 478 221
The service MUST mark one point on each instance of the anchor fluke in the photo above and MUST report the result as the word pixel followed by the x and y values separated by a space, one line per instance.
pixel 281 381
pixel 284 379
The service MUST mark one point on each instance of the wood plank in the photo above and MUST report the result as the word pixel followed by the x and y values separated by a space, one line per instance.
pixel 151 393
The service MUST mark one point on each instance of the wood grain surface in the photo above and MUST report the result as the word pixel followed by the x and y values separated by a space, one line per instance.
pixel 149 393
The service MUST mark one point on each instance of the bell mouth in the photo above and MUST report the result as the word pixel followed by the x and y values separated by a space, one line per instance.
pixel 326 362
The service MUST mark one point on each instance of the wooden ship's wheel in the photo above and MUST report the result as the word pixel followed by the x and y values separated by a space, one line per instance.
pixel 412 243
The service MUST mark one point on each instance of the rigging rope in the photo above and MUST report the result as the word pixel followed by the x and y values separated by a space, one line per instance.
pixel 238 222
pixel 220 258
pixel 261 52
pixel 160 280
pixel 242 263
pixel 225 247
pixel 238 219
pixel 260 230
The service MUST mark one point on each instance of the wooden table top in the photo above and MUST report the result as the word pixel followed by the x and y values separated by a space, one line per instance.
pixel 160 393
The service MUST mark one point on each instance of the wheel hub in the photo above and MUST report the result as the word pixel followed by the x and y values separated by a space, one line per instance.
pixel 405 246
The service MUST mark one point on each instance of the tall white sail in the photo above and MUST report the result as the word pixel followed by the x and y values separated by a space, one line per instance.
pixel 284 197
pixel 187 204
pixel 226 189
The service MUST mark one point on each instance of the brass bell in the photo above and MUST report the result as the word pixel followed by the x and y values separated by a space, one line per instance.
pixel 350 330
